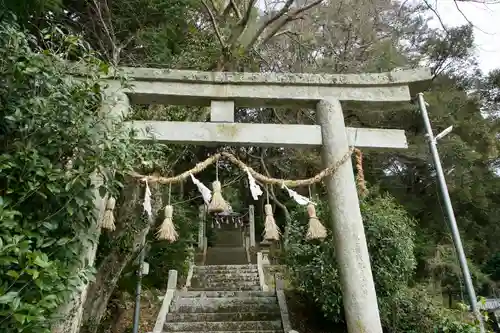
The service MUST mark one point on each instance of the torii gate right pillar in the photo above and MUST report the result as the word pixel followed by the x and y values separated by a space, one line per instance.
pixel 358 289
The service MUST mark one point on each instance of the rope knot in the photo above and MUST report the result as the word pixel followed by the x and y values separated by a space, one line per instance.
pixel 268 209
pixel 169 211
pixel 110 205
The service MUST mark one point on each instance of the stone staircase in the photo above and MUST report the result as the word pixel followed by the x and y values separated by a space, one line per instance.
pixel 226 256
pixel 224 298
pixel 229 249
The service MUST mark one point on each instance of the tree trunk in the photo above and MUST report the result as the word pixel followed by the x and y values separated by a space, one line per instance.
pixel 119 313
pixel 127 244
pixel 72 312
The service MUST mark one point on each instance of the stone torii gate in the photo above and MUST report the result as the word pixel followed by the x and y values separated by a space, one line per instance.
pixel 224 91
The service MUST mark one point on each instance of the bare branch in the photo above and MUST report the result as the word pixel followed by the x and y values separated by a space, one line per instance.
pixel 306 8
pixel 108 30
pixel 271 189
pixel 269 22
pixel 235 9
pixel 279 21
pixel 438 16
pixel 214 24
pixel 248 12
pixel 284 32
pixel 432 9
pixel 261 57
pixel 467 19
pixel 277 116
pixel 238 30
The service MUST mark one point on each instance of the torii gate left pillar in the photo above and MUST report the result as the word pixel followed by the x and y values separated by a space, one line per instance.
pixel 224 91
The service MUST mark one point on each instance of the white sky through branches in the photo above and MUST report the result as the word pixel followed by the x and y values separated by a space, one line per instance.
pixel 484 17
pixel 486 21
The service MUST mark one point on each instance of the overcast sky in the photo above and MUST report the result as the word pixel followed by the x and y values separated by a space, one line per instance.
pixel 486 20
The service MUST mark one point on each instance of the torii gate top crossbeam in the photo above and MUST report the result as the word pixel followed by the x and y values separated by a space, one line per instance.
pixel 363 79
pixel 225 90
pixel 163 86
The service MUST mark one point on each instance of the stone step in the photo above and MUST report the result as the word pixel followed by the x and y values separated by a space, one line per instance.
pixel 230 234
pixel 228 274
pixel 224 316
pixel 233 244
pixel 226 288
pixel 218 307
pixel 204 326
pixel 253 331
pixel 226 256
pixel 225 294
pixel 221 279
pixel 225 267
pixel 224 301
pixel 225 271
pixel 233 259
pixel 224 249
pixel 225 281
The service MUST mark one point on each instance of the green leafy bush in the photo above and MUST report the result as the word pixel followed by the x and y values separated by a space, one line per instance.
pixel 389 232
pixel 176 255
pixel 390 241
pixel 412 310
pixel 52 140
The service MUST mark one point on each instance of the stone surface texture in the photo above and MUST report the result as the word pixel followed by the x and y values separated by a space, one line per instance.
pixel 246 95
pixel 358 289
pixel 262 135
pixel 170 75
pixel 280 295
pixel 222 111
pixel 163 86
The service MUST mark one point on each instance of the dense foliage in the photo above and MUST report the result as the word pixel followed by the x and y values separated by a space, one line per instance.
pixel 53 146
pixel 390 236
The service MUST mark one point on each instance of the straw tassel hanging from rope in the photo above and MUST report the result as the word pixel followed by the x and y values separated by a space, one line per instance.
pixel 167 231
pixel 316 230
pixel 271 230
pixel 217 204
pixel 108 220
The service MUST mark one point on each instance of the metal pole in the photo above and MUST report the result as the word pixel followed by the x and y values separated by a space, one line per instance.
pixel 451 215
pixel 138 289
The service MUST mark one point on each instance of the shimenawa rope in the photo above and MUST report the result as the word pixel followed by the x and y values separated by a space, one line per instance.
pixel 268 180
